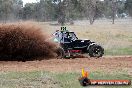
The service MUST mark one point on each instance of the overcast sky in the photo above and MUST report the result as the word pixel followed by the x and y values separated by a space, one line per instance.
pixel 29 1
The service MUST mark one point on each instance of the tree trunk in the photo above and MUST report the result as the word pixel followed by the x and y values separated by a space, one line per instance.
pixel 113 17
pixel 91 18
pixel 91 21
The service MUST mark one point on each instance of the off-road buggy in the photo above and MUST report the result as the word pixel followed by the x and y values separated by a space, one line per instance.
pixel 71 46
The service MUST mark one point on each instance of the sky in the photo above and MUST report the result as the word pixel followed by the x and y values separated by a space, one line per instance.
pixel 29 1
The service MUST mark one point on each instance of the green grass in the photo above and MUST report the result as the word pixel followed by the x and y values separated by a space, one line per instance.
pixel 41 79
pixel 119 51
pixel 68 80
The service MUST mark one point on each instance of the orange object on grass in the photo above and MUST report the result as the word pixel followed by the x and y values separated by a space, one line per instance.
pixel 84 74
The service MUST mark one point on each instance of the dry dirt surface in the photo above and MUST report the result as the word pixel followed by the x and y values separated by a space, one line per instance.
pixel 107 64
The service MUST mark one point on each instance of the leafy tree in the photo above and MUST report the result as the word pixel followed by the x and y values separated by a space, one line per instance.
pixel 9 9
pixel 128 7
pixel 63 10
pixel 92 9
pixel 28 11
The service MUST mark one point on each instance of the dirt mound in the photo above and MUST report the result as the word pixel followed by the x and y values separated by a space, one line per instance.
pixel 24 41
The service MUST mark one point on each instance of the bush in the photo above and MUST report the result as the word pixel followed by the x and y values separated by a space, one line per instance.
pixel 24 41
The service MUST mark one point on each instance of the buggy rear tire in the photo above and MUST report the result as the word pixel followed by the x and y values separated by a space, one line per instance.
pixel 96 51
pixel 60 53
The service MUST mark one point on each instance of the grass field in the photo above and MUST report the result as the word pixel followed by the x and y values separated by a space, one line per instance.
pixel 116 40
pixel 41 79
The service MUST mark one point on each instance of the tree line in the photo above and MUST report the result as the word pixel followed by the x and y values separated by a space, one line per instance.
pixel 64 10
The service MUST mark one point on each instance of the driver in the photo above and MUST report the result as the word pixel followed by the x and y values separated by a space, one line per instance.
pixel 57 36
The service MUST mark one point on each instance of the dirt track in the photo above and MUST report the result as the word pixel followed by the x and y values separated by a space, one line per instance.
pixel 69 65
